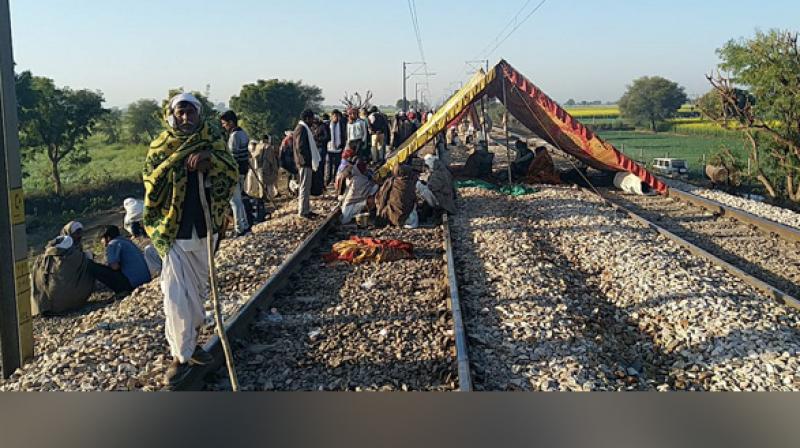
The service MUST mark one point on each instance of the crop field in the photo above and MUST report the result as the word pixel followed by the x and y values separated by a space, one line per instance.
pixel 644 146
pixel 594 111
pixel 612 111
pixel 109 163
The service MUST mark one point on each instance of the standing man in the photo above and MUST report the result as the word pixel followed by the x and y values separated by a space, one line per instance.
pixel 357 133
pixel 175 220
pixel 379 129
pixel 238 143
pixel 322 135
pixel 336 145
pixel 263 175
pixel 306 158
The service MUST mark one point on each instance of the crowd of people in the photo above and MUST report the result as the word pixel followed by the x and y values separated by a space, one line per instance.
pixel 194 178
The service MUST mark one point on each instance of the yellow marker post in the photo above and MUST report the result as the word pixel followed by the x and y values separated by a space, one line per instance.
pixel 16 326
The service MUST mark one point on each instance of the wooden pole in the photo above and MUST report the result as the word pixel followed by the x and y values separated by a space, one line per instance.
pixel 505 129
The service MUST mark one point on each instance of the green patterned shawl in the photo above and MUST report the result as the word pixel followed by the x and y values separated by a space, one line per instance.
pixel 165 181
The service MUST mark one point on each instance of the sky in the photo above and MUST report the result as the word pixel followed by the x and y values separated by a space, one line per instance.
pixel 581 49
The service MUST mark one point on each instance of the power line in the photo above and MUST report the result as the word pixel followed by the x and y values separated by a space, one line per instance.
pixel 503 30
pixel 412 9
pixel 519 24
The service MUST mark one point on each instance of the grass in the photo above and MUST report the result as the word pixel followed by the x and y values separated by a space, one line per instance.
pixel 645 146
pixel 110 163
pixel 89 188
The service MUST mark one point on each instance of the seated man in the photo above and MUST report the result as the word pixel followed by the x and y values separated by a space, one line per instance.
pixel 396 200
pixel 340 182
pixel 360 194
pixel 134 209
pixel 61 278
pixel 74 230
pixel 479 163
pixel 542 170
pixel 438 191
pixel 127 268
pixel 523 159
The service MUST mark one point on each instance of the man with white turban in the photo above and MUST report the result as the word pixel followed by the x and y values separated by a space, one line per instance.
pixel 176 222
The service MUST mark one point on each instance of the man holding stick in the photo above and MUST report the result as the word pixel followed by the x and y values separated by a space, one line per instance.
pixel 174 219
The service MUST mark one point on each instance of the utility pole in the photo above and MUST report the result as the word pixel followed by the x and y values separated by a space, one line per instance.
pixel 16 326
pixel 407 76
pixel 474 64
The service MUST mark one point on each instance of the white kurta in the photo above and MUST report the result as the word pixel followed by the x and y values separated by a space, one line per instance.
pixel 184 282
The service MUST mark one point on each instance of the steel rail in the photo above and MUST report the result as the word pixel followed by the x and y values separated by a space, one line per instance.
pixel 462 354
pixel 776 294
pixel 237 325
pixel 788 233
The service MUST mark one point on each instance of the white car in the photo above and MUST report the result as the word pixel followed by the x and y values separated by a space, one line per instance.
pixel 671 167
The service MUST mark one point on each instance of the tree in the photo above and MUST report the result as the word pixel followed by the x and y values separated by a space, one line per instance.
pixel 651 100
pixel 412 104
pixel 273 106
pixel 312 96
pixel 570 102
pixel 143 120
pixel 768 65
pixel 110 124
pixel 56 121
pixel 713 106
pixel 26 96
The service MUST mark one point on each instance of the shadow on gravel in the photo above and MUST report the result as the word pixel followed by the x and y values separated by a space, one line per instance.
pixel 619 355
pixel 732 345
pixel 323 340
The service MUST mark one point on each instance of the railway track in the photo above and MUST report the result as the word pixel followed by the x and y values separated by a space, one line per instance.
pixel 373 326
pixel 762 253
pixel 562 293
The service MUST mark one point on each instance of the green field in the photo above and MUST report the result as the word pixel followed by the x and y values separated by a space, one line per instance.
pixel 644 146
pixel 108 163
pixel 90 189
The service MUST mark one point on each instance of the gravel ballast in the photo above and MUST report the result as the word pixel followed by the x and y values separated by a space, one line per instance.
pixel 371 326
pixel 773 213
pixel 121 346
pixel 562 293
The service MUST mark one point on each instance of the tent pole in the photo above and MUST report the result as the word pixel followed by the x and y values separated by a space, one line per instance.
pixel 505 128
pixel 483 121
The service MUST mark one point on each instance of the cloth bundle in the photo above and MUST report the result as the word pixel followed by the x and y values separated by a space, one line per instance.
pixel 511 190
pixel 357 250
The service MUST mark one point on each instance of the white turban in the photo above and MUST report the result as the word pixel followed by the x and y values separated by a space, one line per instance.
pixel 63 242
pixel 430 160
pixel 183 98
pixel 74 226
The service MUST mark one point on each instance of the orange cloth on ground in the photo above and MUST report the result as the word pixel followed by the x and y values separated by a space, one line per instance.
pixel 358 250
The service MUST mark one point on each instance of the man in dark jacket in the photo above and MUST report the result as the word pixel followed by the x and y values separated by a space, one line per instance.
pixel 322 135
pixel 336 145
pixel 379 130
pixel 305 154
pixel 406 130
